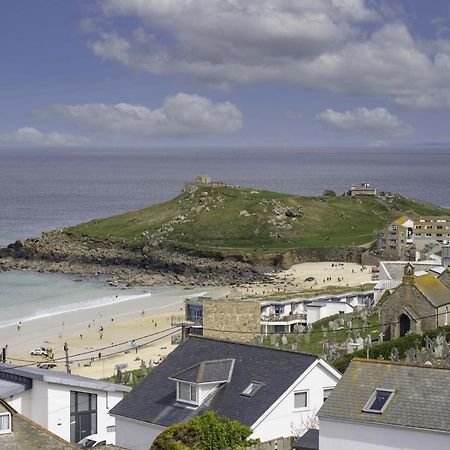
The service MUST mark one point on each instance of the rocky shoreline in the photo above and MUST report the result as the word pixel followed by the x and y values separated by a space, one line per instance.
pixel 58 251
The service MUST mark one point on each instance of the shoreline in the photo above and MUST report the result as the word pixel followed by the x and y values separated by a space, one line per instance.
pixel 121 322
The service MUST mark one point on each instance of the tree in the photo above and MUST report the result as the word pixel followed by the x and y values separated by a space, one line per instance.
pixel 206 432
pixel 329 193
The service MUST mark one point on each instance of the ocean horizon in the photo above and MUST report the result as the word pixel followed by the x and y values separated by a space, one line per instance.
pixel 44 189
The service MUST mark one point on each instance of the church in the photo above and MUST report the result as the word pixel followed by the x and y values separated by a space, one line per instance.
pixel 420 303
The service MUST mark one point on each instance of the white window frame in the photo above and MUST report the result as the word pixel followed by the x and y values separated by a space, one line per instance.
pixel 191 387
pixel 372 398
pixel 302 408
pixel 8 430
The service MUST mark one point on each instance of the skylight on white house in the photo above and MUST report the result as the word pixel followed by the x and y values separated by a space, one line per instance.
pixel 379 401
pixel 252 388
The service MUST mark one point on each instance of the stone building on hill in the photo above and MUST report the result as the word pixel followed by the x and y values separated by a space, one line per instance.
pixel 420 303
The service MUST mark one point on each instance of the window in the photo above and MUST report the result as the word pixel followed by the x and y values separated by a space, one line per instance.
pixel 83 415
pixel 301 400
pixel 326 393
pixel 187 392
pixel 111 429
pixel 378 401
pixel 251 389
pixel 5 423
pixel 279 309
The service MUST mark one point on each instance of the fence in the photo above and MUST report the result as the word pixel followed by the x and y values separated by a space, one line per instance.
pixel 275 444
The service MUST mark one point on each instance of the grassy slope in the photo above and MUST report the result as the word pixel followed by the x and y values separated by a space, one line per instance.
pixel 214 220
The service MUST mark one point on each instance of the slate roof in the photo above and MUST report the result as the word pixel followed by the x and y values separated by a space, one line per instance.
pixel 309 441
pixel 421 398
pixel 8 388
pixel 444 278
pixel 432 289
pixel 154 399
pixel 218 371
pixel 50 376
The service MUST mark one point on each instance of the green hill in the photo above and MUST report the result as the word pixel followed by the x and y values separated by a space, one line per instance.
pixel 228 220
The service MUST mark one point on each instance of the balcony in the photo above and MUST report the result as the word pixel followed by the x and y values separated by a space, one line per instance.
pixel 287 318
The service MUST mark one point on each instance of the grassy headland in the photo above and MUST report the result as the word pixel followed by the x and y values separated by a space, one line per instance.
pixel 224 219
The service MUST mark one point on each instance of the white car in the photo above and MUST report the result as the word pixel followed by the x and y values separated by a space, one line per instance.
pixel 94 440
pixel 39 352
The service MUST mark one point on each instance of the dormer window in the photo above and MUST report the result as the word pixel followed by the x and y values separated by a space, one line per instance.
pixel 196 383
pixel 379 401
pixel 187 392
pixel 5 422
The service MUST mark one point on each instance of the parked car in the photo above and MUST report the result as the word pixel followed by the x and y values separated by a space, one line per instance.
pixel 39 352
pixel 46 365
pixel 94 440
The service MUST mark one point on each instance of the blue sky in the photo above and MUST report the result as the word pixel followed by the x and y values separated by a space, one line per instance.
pixel 224 72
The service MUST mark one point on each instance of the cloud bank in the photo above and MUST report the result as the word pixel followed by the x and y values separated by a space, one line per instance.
pixel 180 115
pixel 33 137
pixel 320 44
pixel 377 122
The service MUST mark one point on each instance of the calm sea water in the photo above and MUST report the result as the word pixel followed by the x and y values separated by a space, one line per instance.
pixel 45 189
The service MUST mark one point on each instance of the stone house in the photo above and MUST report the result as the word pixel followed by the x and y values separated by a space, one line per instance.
pixel 420 303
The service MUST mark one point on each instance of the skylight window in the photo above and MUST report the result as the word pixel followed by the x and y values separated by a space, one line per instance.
pixel 251 389
pixel 379 401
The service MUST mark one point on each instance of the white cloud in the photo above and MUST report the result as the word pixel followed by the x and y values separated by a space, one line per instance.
pixel 375 122
pixel 179 115
pixel 33 137
pixel 318 44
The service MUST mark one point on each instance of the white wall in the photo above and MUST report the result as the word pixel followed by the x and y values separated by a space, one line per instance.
pixel 284 420
pixel 48 404
pixel 335 435
pixel 135 435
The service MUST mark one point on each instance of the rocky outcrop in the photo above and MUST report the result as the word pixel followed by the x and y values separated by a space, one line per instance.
pixel 59 251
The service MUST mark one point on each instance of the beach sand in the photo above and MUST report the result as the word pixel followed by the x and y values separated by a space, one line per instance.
pixel 325 274
pixel 88 331
pixel 121 323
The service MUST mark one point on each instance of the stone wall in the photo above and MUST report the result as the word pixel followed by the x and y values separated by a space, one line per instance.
pixel 236 320
pixel 406 295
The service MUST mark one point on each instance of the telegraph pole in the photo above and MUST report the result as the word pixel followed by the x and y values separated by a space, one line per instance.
pixel 66 351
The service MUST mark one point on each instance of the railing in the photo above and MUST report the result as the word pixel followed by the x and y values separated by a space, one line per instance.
pixel 286 318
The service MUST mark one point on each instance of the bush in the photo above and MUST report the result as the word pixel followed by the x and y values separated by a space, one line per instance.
pixel 205 432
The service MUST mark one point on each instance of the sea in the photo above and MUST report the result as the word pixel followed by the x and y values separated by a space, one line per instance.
pixel 44 189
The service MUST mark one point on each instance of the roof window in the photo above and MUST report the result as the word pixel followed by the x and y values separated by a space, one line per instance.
pixel 252 388
pixel 379 401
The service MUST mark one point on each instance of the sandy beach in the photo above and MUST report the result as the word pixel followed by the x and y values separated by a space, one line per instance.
pixel 99 338
pixel 88 331
pixel 323 274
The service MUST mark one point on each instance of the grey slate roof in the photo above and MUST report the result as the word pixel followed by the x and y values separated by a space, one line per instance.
pixel 218 371
pixel 309 441
pixel 51 376
pixel 421 398
pixel 154 399
pixel 8 388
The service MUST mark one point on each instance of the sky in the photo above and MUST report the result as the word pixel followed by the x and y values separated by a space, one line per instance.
pixel 224 73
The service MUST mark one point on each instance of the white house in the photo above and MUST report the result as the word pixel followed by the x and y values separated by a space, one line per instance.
pixel 275 392
pixel 381 405
pixel 70 406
